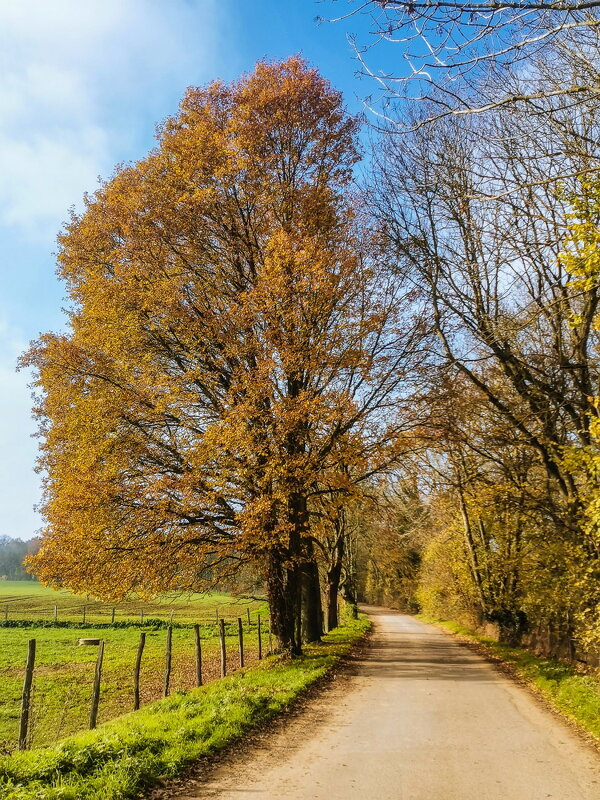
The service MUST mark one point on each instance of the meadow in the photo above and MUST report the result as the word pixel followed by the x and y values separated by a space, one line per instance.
pixel 64 670
pixel 30 601
pixel 126 755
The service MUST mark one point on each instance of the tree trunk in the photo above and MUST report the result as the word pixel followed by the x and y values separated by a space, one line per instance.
pixel 348 591
pixel 334 574
pixel 282 592
pixel 472 551
pixel 311 609
pixel 333 584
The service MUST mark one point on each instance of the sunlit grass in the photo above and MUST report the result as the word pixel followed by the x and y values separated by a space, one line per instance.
pixel 64 671
pixel 29 600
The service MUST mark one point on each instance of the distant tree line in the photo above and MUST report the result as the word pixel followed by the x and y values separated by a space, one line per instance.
pixel 12 554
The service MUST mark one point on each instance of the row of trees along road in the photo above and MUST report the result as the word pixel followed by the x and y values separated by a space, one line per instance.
pixel 487 189
pixel 392 385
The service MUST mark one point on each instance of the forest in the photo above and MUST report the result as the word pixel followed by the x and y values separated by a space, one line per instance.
pixel 337 356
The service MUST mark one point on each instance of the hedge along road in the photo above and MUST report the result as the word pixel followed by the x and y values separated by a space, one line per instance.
pixel 420 718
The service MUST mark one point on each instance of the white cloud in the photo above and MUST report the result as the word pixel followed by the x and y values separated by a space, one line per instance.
pixel 82 83
pixel 74 78
pixel 43 176
pixel 19 485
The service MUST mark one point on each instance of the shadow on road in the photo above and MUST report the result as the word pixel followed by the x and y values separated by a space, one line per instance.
pixel 399 650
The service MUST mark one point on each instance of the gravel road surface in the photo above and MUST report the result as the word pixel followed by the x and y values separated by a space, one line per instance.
pixel 420 717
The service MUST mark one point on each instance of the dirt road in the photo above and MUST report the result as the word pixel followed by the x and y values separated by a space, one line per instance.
pixel 421 718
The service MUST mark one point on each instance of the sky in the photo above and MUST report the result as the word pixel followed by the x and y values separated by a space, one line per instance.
pixel 82 86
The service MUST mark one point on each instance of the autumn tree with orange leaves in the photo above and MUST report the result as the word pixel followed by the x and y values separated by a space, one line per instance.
pixel 231 352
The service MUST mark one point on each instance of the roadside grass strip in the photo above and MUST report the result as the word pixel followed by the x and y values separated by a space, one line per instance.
pixel 575 695
pixel 140 749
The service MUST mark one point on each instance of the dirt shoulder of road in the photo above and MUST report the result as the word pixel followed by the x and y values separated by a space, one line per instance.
pixel 304 709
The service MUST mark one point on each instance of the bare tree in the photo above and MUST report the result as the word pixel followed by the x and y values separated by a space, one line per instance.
pixel 477 216
pixel 465 57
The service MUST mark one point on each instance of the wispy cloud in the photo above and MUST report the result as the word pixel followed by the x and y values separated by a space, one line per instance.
pixel 19 486
pixel 76 80
pixel 81 86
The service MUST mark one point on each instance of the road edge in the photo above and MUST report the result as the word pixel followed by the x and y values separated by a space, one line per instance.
pixel 510 670
pixel 200 770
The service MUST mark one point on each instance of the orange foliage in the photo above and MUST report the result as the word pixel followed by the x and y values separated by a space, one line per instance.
pixel 229 346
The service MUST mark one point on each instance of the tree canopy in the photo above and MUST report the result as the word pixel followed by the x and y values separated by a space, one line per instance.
pixel 386 387
pixel 232 346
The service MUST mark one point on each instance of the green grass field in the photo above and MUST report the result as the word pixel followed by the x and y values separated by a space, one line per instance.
pixel 125 756
pixel 28 600
pixel 64 670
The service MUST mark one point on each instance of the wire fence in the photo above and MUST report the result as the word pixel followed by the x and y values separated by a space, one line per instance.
pixel 90 671
pixel 25 609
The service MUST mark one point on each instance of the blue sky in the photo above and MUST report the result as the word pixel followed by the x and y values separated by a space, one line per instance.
pixel 82 85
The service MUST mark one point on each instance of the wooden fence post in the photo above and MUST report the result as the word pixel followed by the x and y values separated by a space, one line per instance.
pixel 142 617
pixel 112 616
pixel 171 618
pixel 168 651
pixel 55 613
pixel 241 640
pixel 96 692
pixel 248 612
pixel 6 613
pixel 259 638
pixel 270 639
pixel 223 648
pixel 83 620
pixel 198 650
pixel 26 697
pixel 217 614
pixel 136 672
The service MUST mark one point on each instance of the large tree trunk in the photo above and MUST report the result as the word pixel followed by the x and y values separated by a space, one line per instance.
pixel 310 605
pixel 282 591
pixel 309 622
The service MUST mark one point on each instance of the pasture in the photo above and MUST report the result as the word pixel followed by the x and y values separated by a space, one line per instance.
pixel 62 687
pixel 29 600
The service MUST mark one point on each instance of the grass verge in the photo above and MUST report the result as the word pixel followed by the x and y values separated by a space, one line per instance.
pixel 135 751
pixel 575 695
